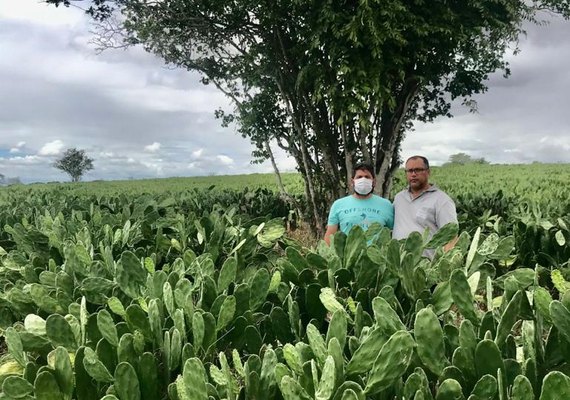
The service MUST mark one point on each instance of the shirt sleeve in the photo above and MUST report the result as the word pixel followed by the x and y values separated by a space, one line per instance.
pixel 446 213
pixel 333 215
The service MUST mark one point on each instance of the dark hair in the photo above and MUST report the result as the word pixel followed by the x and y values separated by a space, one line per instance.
pixel 363 166
pixel 425 160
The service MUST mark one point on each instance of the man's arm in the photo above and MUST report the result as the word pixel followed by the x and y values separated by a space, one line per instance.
pixel 446 214
pixel 450 244
pixel 331 229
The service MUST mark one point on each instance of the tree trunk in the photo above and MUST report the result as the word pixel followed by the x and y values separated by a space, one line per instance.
pixel 348 156
pixel 391 132
pixel 311 188
pixel 290 199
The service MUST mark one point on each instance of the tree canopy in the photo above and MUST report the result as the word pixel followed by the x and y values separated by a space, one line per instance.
pixel 335 82
pixel 75 163
pixel 463 159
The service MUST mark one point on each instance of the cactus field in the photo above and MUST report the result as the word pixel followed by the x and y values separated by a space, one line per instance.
pixel 112 291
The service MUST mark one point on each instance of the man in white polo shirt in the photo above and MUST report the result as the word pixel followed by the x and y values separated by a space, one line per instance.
pixel 422 205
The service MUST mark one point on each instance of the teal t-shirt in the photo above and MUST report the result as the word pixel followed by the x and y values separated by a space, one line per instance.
pixel 350 211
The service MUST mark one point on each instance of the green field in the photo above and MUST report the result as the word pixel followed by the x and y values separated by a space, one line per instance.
pixel 542 183
pixel 173 289
pixel 511 192
pixel 292 181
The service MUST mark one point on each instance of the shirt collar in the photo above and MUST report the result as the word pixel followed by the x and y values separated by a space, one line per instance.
pixel 431 188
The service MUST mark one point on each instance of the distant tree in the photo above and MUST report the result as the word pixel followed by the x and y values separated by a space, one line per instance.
pixel 463 159
pixel 7 181
pixel 75 163
pixel 13 181
pixel 460 158
pixel 480 161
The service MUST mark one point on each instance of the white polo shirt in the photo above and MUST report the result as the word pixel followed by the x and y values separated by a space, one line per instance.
pixel 432 209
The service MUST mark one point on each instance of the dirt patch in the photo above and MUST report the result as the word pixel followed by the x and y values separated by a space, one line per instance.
pixel 304 236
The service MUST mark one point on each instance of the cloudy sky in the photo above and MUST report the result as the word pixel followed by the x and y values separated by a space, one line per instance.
pixel 138 119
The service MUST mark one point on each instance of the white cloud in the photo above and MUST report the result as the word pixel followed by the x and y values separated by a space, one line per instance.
pixel 152 148
pixel 197 153
pixel 51 148
pixel 225 159
pixel 561 142
pixel 17 161
pixel 153 166
pixel 18 148
pixel 166 99
pixel 34 10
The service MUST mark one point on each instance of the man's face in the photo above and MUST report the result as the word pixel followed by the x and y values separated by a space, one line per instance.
pixel 363 173
pixel 417 174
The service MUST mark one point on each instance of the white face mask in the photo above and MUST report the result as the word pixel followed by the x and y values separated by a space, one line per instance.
pixel 363 186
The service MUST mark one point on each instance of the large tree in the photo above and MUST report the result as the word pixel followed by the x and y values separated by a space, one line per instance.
pixel 330 82
pixel 75 163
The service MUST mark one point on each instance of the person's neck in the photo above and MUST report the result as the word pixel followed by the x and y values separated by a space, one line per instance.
pixel 361 197
pixel 417 192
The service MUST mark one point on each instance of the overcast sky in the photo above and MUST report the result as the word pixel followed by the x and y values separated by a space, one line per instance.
pixel 138 119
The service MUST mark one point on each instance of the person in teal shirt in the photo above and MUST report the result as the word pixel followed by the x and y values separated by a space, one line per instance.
pixel 362 207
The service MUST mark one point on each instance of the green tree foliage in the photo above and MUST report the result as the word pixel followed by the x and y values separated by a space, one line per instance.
pixel 464 158
pixel 331 83
pixel 75 163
